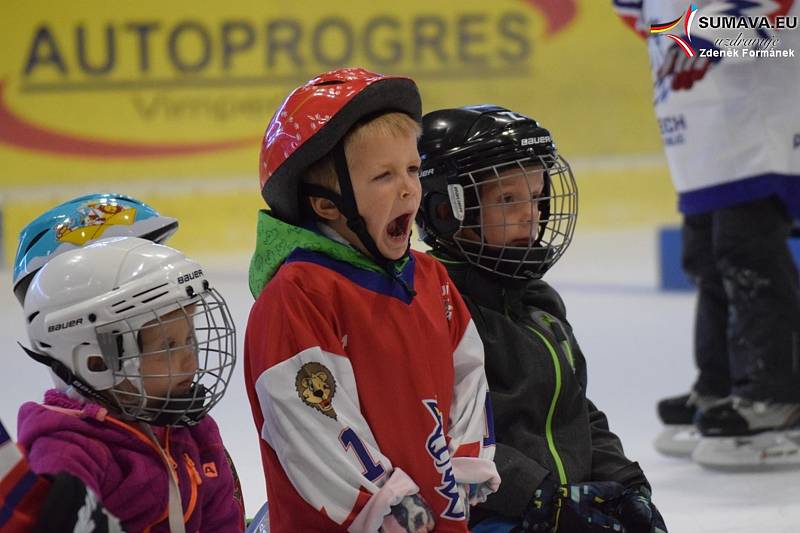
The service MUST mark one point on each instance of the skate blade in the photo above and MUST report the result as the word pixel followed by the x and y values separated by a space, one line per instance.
pixel 677 441
pixel 772 450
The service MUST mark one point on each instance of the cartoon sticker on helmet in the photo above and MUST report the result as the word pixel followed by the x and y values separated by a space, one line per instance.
pixel 95 219
pixel 315 386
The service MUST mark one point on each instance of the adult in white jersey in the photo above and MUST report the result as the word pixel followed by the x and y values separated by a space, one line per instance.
pixel 730 122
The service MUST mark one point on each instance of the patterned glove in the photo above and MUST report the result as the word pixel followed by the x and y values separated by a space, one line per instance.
pixel 574 508
pixel 411 515
pixel 637 513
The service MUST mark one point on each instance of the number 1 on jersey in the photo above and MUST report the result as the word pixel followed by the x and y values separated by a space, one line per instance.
pixel 371 470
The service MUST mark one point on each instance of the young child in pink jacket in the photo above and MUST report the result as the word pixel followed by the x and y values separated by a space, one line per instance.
pixel 141 348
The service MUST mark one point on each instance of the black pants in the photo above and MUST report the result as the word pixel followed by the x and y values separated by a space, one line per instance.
pixel 747 323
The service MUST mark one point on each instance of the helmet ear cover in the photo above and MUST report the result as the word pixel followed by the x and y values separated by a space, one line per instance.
pixel 439 213
pixel 438 218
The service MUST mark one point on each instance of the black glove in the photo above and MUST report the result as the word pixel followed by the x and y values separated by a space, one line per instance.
pixel 71 505
pixel 637 513
pixel 574 508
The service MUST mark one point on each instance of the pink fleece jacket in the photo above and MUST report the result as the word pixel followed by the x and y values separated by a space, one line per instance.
pixel 119 463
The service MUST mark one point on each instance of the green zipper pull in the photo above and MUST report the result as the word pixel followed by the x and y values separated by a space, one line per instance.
pixel 560 333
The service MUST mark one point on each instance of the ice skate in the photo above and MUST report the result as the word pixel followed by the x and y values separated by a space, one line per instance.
pixel 679 437
pixel 738 416
pixel 770 450
pixel 741 434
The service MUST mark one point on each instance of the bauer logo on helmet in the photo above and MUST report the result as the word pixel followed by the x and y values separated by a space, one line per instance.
pixel 190 276
pixel 65 325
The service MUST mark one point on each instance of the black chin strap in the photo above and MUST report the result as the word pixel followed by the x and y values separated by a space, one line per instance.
pixel 66 375
pixel 346 204
pixel 349 208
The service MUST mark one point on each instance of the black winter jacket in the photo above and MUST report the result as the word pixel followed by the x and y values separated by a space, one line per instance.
pixel 544 424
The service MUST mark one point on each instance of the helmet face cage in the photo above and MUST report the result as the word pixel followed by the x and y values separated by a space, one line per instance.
pixel 517 218
pixel 171 364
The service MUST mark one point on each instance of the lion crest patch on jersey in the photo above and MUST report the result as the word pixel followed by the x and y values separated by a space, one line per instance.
pixel 315 386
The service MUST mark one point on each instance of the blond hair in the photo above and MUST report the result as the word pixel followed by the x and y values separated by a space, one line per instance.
pixel 395 124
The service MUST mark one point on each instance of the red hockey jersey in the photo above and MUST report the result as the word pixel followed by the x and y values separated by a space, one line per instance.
pixel 363 393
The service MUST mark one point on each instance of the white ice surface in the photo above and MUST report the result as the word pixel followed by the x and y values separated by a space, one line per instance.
pixel 636 339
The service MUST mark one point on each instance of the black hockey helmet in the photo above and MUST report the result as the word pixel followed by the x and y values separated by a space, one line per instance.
pixel 467 148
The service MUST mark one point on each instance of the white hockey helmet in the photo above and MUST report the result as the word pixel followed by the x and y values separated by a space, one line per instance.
pixel 86 310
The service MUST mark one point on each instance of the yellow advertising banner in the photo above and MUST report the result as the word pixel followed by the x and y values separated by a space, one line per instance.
pixel 97 89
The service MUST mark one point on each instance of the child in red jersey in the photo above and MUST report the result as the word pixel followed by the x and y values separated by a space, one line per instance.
pixel 364 370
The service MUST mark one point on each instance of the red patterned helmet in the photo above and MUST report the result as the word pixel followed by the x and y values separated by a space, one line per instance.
pixel 314 118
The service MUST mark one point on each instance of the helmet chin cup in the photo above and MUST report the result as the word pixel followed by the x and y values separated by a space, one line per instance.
pixel 506 261
pixel 184 410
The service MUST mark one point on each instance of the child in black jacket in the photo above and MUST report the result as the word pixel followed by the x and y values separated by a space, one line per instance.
pixel 499 207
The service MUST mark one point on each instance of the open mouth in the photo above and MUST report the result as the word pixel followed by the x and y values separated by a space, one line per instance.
pixel 398 228
pixel 520 243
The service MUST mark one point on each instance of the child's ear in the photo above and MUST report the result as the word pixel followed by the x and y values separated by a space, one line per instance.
pixel 324 208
